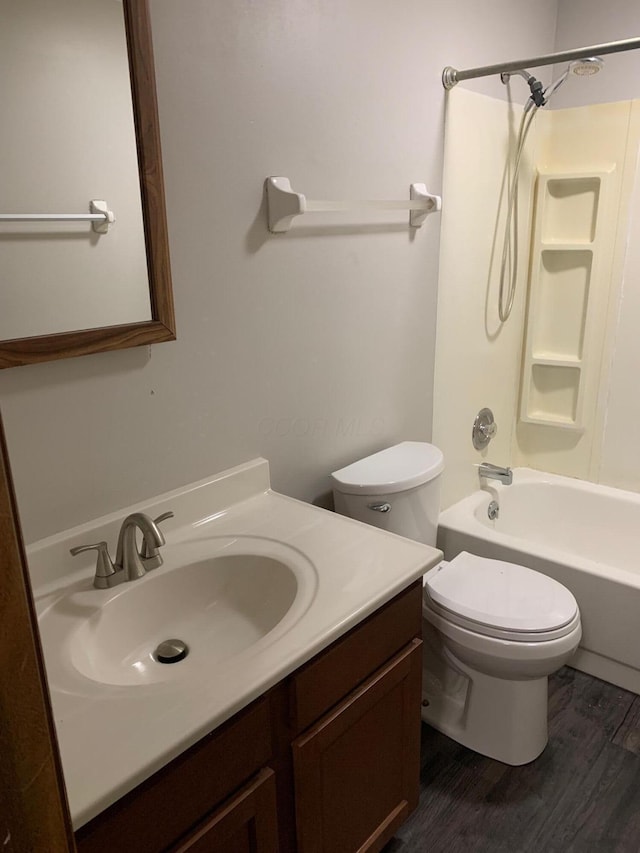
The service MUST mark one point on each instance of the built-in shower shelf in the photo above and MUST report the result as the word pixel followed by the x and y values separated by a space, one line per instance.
pixel 565 249
pixel 562 246
pixel 569 207
pixel 547 419
pixel 556 360
pixel 553 395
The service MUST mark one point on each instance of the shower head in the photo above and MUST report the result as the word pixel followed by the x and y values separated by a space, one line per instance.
pixel 586 67
pixel 580 67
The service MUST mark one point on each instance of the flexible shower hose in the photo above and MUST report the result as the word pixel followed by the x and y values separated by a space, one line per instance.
pixel 510 243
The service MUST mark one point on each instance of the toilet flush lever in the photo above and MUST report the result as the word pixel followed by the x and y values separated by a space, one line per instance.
pixel 382 507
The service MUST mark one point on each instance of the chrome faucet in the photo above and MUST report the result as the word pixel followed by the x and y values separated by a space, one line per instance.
pixel 128 558
pixel 495 472
pixel 130 563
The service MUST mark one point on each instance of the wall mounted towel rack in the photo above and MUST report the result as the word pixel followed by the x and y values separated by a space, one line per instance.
pixel 283 204
pixel 100 217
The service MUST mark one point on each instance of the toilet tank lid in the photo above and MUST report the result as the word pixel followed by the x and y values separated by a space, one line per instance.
pixel 404 466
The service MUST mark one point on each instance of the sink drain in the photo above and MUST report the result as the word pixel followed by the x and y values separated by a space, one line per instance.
pixel 171 651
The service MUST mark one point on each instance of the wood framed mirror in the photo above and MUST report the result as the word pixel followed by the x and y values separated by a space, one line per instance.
pixel 34 348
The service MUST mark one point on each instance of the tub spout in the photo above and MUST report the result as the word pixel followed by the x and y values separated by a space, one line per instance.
pixel 495 472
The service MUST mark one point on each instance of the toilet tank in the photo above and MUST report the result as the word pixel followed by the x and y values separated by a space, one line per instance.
pixel 397 489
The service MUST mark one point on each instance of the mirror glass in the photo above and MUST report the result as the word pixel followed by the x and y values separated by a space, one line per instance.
pixel 78 83
pixel 68 137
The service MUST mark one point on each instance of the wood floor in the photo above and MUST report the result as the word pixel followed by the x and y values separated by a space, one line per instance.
pixel 581 796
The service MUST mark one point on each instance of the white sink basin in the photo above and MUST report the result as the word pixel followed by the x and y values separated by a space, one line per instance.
pixel 219 597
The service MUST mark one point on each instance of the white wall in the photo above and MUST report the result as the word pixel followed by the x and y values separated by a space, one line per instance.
pixel 67 137
pixel 313 348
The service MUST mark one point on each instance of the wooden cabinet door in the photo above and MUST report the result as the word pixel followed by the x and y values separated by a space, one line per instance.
pixel 246 824
pixel 357 770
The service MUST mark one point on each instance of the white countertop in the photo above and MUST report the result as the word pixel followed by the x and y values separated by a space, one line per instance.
pixel 113 736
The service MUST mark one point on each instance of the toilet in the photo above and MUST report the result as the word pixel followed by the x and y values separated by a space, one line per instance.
pixel 493 631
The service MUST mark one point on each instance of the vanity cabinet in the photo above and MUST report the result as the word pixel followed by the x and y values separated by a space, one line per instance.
pixel 246 824
pixel 176 800
pixel 327 761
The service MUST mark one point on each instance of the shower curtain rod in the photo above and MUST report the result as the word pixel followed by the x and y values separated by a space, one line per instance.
pixel 451 76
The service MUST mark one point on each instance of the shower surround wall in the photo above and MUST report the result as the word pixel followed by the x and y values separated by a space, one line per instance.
pixel 568 409
pixel 619 457
pixel 590 22
pixel 312 348
pixel 577 266
pixel 477 357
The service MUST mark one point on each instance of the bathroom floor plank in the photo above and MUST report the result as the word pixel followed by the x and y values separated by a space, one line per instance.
pixel 580 796
pixel 628 733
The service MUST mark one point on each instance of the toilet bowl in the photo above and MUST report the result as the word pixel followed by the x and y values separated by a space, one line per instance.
pixel 493 631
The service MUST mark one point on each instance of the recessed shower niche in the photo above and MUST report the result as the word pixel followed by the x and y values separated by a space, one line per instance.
pixel 564 256
pixel 563 296
pixel 553 394
pixel 571 205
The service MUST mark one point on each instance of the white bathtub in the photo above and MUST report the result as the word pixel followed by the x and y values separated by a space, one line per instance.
pixel 585 536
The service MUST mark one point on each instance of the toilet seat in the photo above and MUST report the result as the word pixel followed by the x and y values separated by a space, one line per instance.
pixel 439 616
pixel 499 599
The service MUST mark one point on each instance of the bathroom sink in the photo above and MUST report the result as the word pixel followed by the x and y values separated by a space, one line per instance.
pixel 254 584
pixel 218 606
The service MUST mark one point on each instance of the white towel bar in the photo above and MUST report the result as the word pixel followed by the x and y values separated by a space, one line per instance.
pixel 100 217
pixel 284 204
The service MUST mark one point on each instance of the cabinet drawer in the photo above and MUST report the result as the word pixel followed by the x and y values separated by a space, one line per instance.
pixel 246 824
pixel 356 772
pixel 175 798
pixel 347 662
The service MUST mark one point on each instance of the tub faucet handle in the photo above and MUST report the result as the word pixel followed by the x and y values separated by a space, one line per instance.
pixel 489 430
pixel 484 429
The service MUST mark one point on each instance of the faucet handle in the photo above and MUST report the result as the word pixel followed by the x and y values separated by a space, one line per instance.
pixel 149 553
pixel 484 429
pixel 104 566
